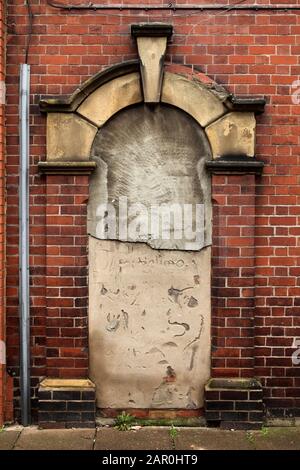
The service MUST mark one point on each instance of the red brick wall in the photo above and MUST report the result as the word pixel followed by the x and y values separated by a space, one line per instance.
pixel 233 275
pixel 249 52
pixel 2 208
pixel 67 291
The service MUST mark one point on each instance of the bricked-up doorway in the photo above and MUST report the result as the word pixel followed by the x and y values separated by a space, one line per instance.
pixel 151 136
pixel 149 293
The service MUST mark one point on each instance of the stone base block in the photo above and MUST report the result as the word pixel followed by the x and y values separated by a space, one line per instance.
pixel 67 403
pixel 234 403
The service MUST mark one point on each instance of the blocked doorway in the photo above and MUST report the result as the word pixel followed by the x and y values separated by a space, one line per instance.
pixel 149 260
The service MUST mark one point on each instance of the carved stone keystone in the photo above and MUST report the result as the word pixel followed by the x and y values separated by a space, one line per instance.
pixel 152 44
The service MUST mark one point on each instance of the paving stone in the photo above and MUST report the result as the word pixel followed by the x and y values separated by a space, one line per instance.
pixel 8 439
pixel 212 439
pixel 54 439
pixel 142 439
pixel 281 438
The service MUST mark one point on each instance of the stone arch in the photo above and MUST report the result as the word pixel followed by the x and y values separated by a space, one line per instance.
pixel 229 123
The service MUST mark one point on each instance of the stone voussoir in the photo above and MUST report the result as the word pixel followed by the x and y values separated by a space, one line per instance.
pixel 192 97
pixel 233 134
pixel 69 137
pixel 110 98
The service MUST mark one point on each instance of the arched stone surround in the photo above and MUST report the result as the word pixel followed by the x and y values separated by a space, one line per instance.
pixel 73 122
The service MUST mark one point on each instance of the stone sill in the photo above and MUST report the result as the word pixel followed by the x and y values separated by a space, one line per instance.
pixel 67 168
pixel 234 383
pixel 235 165
pixel 66 384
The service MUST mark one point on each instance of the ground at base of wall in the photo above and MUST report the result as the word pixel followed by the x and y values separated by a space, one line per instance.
pixel 149 438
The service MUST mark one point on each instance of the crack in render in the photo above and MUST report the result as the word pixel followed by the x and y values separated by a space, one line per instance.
pixel 198 335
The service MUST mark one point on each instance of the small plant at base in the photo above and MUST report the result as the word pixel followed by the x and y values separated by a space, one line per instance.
pixel 250 437
pixel 173 432
pixel 124 421
pixel 264 431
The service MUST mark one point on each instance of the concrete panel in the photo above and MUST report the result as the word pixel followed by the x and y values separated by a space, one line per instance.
pixel 111 97
pixel 193 97
pixel 151 160
pixel 233 134
pixel 69 137
pixel 149 325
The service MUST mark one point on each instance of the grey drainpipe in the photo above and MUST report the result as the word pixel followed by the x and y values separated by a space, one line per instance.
pixel 24 244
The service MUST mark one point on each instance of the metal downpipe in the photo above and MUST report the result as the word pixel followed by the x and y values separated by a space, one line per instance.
pixel 24 313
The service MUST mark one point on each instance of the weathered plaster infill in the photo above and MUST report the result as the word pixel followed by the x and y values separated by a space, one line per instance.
pixel 233 134
pixel 197 99
pixel 111 98
pixel 155 157
pixel 69 137
pixel 149 325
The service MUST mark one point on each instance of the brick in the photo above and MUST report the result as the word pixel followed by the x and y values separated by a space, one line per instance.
pixel 249 405
pixel 81 405
pixel 234 395
pixel 256 416
pixel 212 416
pixel 240 425
pixel 212 395
pixel 234 416
pixel 219 405
pixel 66 395
pixel 52 406
pixel 88 395
pixel 87 416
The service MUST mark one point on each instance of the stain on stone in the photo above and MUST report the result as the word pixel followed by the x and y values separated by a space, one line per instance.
pixel 191 403
pixel 192 302
pixel 184 325
pixel 194 350
pixel 154 351
pixel 170 375
pixel 170 344
pixel 163 395
pixel 247 134
pixel 165 392
pixel 176 293
pixel 103 290
pixel 125 318
pixel 197 279
pixel 113 322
